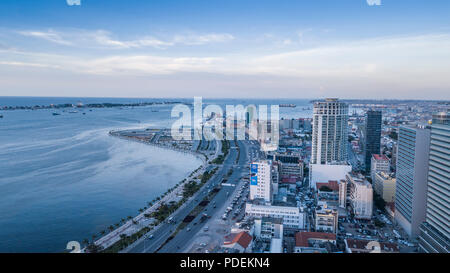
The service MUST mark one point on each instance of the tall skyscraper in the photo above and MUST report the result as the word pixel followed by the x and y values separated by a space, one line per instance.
pixel 372 136
pixel 412 175
pixel 329 138
pixel 435 232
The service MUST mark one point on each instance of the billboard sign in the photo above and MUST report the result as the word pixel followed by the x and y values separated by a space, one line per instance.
pixel 254 180
pixel 254 168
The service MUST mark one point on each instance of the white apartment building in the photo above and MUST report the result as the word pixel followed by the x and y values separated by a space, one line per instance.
pixel 293 217
pixel 384 185
pixel 360 195
pixel 261 180
pixel 330 131
pixel 379 163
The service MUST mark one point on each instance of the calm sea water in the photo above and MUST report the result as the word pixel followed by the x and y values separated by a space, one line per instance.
pixel 62 178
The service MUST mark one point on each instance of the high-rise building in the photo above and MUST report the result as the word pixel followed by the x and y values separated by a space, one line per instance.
pixel 372 136
pixel 435 231
pixel 329 137
pixel 261 180
pixel 411 177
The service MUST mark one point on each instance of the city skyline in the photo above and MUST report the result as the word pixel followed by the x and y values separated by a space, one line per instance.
pixel 289 49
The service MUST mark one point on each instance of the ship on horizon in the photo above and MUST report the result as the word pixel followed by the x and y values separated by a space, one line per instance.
pixel 288 105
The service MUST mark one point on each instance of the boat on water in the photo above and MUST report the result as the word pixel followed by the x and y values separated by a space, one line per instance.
pixel 73 112
pixel 288 105
pixel 56 114
pixel 1 116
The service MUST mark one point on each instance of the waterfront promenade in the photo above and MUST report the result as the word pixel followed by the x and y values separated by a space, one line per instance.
pixel 140 221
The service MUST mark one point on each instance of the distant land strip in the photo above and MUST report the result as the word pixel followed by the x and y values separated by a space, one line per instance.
pixel 89 105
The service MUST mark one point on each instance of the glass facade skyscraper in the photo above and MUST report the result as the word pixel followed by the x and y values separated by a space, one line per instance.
pixel 372 135
pixel 435 231
pixel 412 173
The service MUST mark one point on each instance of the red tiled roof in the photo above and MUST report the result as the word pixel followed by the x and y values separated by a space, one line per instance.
pixel 380 157
pixel 301 238
pixel 242 238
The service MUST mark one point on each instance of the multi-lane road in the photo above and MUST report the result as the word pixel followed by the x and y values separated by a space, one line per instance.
pixel 153 240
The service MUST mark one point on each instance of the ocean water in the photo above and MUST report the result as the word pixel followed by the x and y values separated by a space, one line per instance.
pixel 63 178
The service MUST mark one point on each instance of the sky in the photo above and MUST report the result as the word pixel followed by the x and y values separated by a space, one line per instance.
pixel 377 49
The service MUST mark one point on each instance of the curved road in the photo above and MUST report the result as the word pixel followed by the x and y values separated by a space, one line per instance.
pixel 162 233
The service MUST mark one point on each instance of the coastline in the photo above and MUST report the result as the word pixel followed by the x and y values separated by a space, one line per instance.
pixel 137 223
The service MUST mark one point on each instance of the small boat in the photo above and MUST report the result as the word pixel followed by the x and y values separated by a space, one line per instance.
pixel 1 116
pixel 288 105
pixel 56 114
pixel 73 112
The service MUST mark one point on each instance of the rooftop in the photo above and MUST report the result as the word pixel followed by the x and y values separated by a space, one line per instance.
pixel 361 244
pixel 302 238
pixel 380 157
pixel 242 238
pixel 332 184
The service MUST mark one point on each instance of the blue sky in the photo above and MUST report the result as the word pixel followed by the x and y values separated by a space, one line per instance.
pixel 246 48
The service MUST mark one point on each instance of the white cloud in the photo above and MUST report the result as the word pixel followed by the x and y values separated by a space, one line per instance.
pixel 48 35
pixel 410 63
pixel 202 39
pixel 28 64
pixel 374 2
pixel 82 38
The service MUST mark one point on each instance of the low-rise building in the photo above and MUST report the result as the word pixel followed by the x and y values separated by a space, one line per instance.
pixel 325 219
pixel 293 217
pixel 267 228
pixel 379 163
pixel 329 193
pixel 240 242
pixel 384 185
pixel 315 242
pixel 292 170
pixel 366 246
